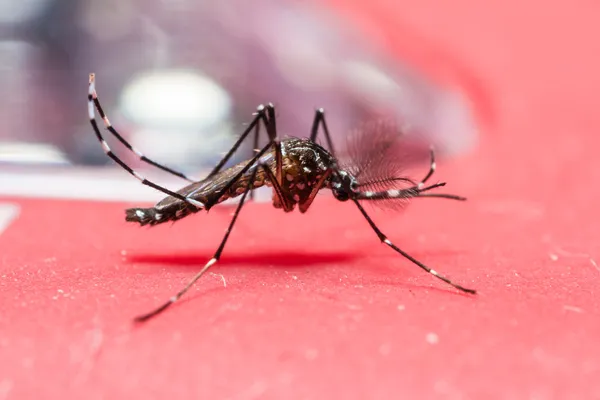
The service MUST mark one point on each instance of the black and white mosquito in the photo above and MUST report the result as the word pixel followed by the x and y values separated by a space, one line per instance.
pixel 296 170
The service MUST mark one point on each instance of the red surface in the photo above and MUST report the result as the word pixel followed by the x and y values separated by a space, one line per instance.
pixel 314 307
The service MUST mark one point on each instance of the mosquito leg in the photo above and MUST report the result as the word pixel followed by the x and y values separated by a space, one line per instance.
pixel 116 159
pixel 277 187
pixel 272 121
pixel 215 258
pixel 277 179
pixel 254 150
pixel 385 240
pixel 256 134
pixel 443 196
pixel 410 192
pixel 258 116
pixel 320 120
pixel 271 127
pixel 420 192
pixel 213 199
pixel 274 137
pixel 269 122
pixel 113 131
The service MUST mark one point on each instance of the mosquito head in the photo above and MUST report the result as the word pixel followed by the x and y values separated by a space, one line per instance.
pixel 343 185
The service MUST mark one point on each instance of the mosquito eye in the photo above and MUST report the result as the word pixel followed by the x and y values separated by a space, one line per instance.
pixel 350 183
pixel 340 194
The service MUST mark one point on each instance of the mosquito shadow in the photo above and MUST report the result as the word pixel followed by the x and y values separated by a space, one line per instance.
pixel 267 259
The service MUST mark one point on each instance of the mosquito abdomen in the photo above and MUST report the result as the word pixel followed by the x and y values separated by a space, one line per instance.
pixel 153 216
pixel 143 216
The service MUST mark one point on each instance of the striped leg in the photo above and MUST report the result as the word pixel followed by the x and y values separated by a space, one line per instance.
pixel 385 240
pixel 270 122
pixel 93 99
pixel 320 120
pixel 113 131
pixel 262 113
pixel 407 193
pixel 417 190
pixel 215 258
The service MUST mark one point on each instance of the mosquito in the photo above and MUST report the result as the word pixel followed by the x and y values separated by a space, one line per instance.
pixel 296 169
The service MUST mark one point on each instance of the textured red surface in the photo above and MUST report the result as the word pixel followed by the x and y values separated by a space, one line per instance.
pixel 314 306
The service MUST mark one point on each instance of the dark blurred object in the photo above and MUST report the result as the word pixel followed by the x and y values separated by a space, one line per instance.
pixel 38 51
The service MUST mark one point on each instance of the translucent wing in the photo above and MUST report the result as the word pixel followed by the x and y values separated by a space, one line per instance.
pixel 203 190
pixel 382 157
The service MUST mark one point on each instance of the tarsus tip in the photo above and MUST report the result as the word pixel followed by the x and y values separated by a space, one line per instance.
pixel 140 319
pixel 466 290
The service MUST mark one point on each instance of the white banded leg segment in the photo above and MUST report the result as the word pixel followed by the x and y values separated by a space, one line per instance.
pixel 407 193
pixel 388 194
pixel 187 287
pixel 107 123
pixel 91 94
pixel 432 167
pixel 138 176
pixel 105 146
pixel 196 203
pixel 94 102
pixel 92 84
pixel 259 109
pixel 385 240
pixel 93 98
pixel 91 108
pixel 426 268
pixel 175 298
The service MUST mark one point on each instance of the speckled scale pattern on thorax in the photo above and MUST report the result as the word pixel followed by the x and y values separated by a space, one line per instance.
pixel 304 163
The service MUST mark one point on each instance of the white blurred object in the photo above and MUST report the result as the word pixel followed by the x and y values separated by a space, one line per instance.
pixel 180 117
pixel 31 154
pixel 175 98
pixel 17 12
pixel 8 213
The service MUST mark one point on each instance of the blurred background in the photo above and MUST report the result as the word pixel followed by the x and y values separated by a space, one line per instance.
pixel 180 78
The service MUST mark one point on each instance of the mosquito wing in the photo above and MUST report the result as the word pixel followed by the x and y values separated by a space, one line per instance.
pixel 203 190
pixel 382 158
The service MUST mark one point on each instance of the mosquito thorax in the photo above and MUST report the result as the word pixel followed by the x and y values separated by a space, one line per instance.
pixel 305 169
